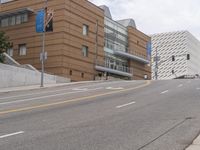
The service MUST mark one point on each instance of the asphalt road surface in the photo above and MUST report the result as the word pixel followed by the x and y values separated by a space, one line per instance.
pixel 118 115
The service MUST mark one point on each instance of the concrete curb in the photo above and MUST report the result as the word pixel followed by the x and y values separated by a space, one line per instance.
pixel 195 145
pixel 34 87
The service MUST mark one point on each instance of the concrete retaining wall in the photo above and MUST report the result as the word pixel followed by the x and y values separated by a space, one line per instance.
pixel 11 76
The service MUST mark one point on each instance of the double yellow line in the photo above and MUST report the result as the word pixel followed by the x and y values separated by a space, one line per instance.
pixel 70 101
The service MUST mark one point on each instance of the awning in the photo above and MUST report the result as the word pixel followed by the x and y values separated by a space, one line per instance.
pixel 16 12
pixel 104 69
pixel 130 56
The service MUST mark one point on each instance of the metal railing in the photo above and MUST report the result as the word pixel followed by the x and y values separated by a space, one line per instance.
pixel 114 66
pixel 10 61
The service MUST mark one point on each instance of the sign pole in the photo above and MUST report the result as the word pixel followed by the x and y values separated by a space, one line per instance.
pixel 43 45
pixel 42 59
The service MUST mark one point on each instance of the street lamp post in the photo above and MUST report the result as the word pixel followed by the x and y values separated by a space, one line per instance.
pixel 156 65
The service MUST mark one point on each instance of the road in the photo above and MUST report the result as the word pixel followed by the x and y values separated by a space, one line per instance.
pixel 117 115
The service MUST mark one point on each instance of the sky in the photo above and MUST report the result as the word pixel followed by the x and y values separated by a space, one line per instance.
pixel 157 16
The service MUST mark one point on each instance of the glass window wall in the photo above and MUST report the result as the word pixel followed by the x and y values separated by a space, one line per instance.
pixel 14 20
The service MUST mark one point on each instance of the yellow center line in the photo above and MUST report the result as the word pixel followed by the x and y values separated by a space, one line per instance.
pixel 69 101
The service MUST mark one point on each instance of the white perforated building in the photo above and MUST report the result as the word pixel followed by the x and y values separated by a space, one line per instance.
pixel 185 49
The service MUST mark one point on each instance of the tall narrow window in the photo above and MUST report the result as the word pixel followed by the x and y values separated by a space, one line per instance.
pixel 4 22
pixel 82 75
pixel 85 29
pixel 85 51
pixel 11 21
pixel 22 49
pixel 18 19
pixel 70 72
pixel 24 18
pixel 10 52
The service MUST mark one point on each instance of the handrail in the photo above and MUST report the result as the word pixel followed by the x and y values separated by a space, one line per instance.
pixel 114 67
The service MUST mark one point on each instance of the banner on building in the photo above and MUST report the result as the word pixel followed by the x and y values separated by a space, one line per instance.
pixel 149 49
pixel 40 21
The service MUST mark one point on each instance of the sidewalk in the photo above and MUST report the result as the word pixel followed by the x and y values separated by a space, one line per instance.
pixel 33 87
pixel 195 145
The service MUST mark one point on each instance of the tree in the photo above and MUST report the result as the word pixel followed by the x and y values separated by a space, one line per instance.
pixel 4 45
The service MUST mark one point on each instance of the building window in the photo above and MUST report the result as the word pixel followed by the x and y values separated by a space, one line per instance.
pixel 85 51
pixel 22 49
pixel 11 21
pixel 14 20
pixel 82 75
pixel 24 18
pixel 10 52
pixel 70 72
pixel 18 19
pixel 85 29
pixel 4 22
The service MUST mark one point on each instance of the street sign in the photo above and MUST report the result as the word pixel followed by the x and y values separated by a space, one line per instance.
pixel 155 69
pixel 156 59
pixel 44 56
pixel 145 76
pixel 40 21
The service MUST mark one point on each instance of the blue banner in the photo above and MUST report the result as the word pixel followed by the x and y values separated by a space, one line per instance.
pixel 40 21
pixel 149 49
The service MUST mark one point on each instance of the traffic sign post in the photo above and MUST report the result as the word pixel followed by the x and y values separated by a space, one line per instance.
pixel 44 23
pixel 43 56
pixel 40 28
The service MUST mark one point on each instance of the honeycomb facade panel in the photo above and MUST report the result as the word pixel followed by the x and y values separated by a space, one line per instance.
pixel 179 45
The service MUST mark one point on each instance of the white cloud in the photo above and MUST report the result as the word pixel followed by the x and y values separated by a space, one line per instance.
pixel 155 16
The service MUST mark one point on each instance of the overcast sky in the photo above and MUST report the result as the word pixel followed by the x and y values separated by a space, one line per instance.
pixel 156 16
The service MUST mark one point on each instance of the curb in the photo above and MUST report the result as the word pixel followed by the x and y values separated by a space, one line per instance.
pixel 195 145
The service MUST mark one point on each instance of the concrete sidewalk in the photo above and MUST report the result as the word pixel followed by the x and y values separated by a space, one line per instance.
pixel 33 87
pixel 195 145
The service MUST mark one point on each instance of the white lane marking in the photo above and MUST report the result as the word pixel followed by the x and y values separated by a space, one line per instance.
pixel 180 85
pixel 112 88
pixel 86 89
pixel 165 92
pixel 124 105
pixel 79 89
pixel 11 134
pixel 37 98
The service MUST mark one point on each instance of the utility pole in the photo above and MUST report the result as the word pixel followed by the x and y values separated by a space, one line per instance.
pixel 43 45
pixel 156 65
